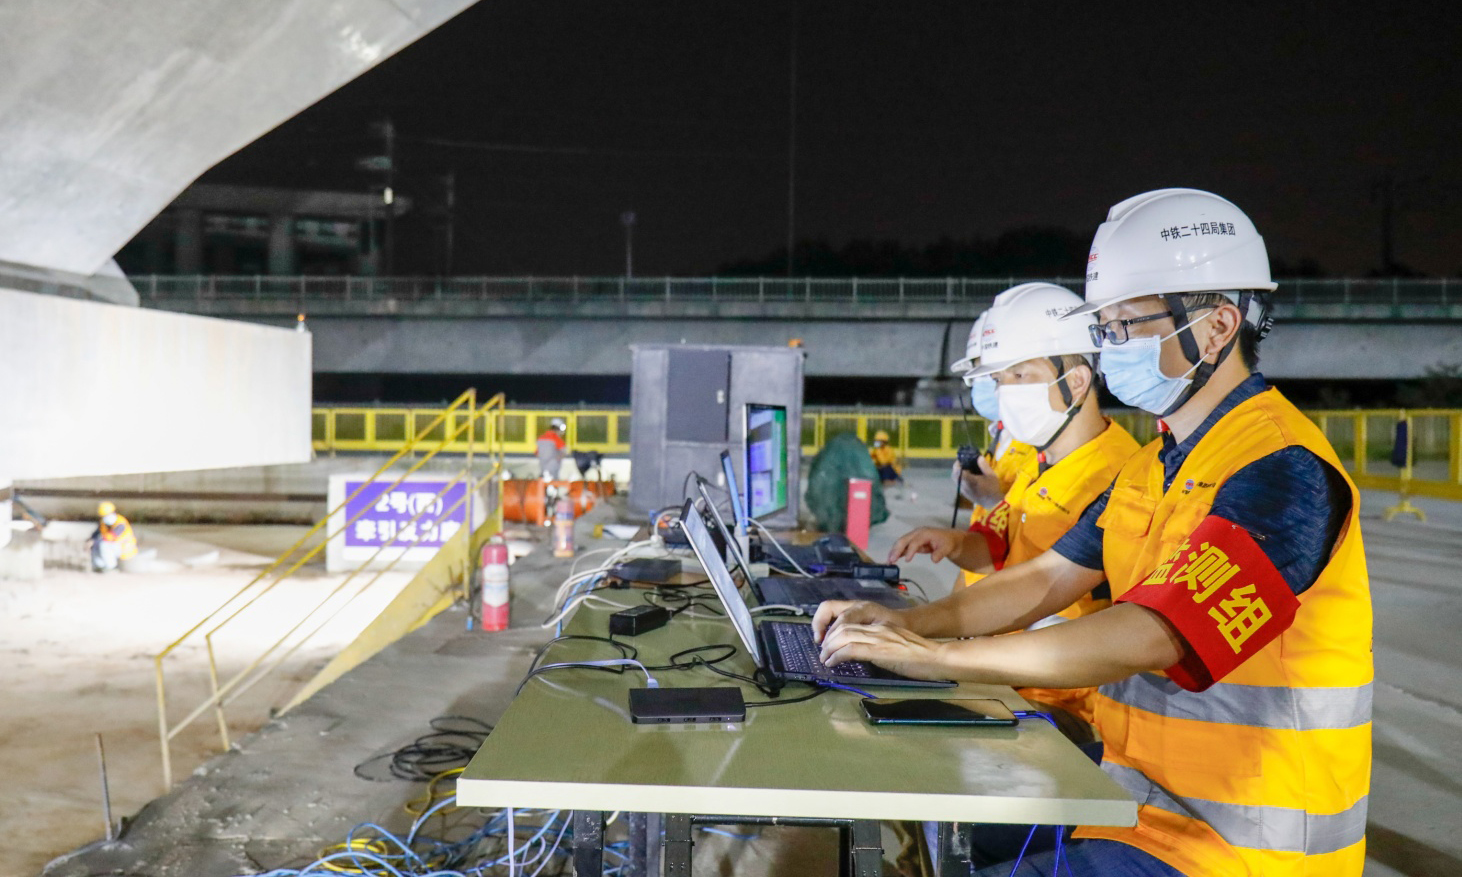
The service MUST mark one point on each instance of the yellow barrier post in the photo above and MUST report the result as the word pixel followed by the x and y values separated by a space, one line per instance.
pixel 1404 506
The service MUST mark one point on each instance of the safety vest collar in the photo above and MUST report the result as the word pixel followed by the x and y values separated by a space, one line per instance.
pixel 1260 706
pixel 1255 827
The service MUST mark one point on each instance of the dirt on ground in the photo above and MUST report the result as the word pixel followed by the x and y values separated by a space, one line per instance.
pixel 79 652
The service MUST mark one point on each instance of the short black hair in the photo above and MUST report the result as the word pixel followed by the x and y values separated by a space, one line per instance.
pixel 1248 332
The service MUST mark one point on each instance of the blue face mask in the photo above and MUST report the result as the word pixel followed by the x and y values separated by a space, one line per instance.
pixel 1133 372
pixel 982 396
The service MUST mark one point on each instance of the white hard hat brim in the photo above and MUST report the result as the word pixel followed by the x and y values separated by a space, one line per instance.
pixel 1092 307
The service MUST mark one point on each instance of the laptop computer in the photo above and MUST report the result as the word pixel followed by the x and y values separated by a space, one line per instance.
pixel 783 649
pixel 803 592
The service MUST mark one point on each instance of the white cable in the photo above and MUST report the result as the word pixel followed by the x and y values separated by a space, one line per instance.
pixel 650 681
pixel 777 545
pixel 593 599
pixel 512 864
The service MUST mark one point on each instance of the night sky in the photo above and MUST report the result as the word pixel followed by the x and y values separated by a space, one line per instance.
pixel 915 121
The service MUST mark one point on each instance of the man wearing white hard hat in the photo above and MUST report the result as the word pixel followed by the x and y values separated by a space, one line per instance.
pixel 1002 458
pixel 1043 367
pixel 1234 666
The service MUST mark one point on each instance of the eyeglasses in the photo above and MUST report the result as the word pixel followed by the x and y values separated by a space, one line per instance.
pixel 1115 331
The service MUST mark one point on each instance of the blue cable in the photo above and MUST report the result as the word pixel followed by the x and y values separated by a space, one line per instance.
pixel 1032 714
pixel 1023 847
pixel 839 686
pixel 724 833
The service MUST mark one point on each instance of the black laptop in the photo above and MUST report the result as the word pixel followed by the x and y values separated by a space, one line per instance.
pixel 803 592
pixel 784 649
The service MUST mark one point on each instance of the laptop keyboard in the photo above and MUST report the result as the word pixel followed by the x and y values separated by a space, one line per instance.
pixel 801 655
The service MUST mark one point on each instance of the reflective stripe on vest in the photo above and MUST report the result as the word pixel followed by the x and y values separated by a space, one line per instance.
pixel 1252 826
pixel 1260 706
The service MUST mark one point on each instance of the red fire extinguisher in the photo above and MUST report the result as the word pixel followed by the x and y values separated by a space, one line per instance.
pixel 495 585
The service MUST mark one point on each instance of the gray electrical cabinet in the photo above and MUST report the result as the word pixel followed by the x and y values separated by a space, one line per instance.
pixel 688 404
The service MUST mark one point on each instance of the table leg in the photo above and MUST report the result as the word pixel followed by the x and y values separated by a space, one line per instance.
pixel 644 845
pixel 588 843
pixel 952 858
pixel 678 844
pixel 634 866
pixel 867 852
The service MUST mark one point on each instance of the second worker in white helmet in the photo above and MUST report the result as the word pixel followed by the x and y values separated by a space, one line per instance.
pixel 1046 383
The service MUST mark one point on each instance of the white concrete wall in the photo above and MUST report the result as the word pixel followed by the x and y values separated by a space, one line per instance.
pixel 96 389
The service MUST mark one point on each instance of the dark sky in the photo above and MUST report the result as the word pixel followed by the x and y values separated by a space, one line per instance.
pixel 915 121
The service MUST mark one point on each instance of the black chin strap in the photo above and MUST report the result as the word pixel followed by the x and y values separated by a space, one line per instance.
pixel 1066 398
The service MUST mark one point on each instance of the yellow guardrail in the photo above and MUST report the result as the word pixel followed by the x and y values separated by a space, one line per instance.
pixel 1363 438
pixel 462 427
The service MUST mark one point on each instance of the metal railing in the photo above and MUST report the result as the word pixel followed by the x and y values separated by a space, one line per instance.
pixel 453 429
pixel 1377 297
pixel 1363 439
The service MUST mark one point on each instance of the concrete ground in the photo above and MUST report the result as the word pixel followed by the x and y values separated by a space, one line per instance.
pixel 77 649
pixel 288 790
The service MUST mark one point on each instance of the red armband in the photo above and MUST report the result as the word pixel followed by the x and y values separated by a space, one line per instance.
pixel 993 524
pixel 1224 597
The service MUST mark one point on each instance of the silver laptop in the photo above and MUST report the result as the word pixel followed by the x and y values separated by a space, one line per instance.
pixel 783 649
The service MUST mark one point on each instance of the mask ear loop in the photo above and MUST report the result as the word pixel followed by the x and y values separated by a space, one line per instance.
pixel 1071 407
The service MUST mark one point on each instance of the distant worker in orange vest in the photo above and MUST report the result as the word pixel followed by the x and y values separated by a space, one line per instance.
pixel 112 541
pixel 1234 667
pixel 551 449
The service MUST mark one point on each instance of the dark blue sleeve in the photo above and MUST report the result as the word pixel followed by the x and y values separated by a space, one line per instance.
pixel 1294 505
pixel 1082 544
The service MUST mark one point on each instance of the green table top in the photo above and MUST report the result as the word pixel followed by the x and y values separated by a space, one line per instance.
pixel 566 742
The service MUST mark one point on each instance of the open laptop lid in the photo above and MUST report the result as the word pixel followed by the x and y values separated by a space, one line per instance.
pixel 738 506
pixel 731 544
pixel 699 537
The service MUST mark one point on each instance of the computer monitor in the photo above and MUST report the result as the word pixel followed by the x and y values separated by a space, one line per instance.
pixel 766 459
pixel 733 487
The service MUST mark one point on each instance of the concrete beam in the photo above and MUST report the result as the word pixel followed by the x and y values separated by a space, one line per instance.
pixel 111 109
pixel 905 348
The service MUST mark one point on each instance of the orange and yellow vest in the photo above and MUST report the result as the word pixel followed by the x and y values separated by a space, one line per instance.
pixel 1007 464
pixel 1267 771
pixel 883 455
pixel 120 532
pixel 1040 507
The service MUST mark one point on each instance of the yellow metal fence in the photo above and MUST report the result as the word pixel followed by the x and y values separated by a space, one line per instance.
pixel 1363 439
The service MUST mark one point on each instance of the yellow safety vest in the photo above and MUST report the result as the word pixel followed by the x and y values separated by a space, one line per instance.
pixel 883 456
pixel 1038 510
pixel 1267 771
pixel 1007 465
pixel 121 532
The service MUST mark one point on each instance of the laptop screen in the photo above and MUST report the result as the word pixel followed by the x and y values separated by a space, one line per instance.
pixel 705 550
pixel 731 544
pixel 738 511
pixel 766 459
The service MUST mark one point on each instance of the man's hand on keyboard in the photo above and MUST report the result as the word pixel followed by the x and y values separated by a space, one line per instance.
pixel 891 648
pixel 834 612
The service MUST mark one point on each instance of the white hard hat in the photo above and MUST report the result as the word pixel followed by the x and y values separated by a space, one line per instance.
pixel 1027 323
pixel 972 348
pixel 1174 241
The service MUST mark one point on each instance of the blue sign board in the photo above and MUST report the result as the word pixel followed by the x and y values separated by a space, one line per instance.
pixel 387 514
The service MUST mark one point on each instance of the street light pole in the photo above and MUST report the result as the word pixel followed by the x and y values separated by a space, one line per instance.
pixel 628 219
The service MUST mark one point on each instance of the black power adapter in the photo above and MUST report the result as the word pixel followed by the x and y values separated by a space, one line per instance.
pixel 637 620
